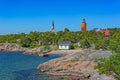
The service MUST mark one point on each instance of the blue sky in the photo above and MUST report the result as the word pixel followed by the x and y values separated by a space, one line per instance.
pixel 37 15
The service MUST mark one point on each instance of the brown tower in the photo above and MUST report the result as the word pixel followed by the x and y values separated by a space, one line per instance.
pixel 83 26
pixel 53 30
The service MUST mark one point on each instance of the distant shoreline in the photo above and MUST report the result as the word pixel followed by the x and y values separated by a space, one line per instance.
pixel 16 48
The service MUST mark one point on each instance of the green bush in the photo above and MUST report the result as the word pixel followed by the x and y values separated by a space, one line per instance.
pixel 72 46
pixel 34 46
pixel 110 66
pixel 25 45
pixel 46 47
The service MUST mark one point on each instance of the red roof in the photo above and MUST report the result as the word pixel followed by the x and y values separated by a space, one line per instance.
pixel 106 32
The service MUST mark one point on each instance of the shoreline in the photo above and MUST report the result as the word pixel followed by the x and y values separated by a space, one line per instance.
pixel 35 50
pixel 64 52
pixel 78 63
pixel 66 75
pixel 75 63
pixel 6 47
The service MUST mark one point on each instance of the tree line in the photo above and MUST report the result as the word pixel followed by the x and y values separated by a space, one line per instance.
pixel 85 39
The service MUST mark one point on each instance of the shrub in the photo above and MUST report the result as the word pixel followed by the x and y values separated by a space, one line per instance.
pixel 25 45
pixel 34 46
pixel 72 46
pixel 110 66
pixel 46 47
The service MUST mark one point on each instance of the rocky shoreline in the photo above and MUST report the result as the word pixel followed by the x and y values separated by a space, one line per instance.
pixel 15 47
pixel 75 64
pixel 79 63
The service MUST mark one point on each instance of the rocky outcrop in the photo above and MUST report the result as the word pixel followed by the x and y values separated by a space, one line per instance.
pixel 79 63
pixel 15 47
pixel 10 47
pixel 96 76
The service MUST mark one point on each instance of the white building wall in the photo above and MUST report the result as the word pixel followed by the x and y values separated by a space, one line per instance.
pixel 64 47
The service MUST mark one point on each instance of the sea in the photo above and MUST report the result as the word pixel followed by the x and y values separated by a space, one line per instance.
pixel 19 66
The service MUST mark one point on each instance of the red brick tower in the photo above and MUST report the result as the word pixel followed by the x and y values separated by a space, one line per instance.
pixel 83 26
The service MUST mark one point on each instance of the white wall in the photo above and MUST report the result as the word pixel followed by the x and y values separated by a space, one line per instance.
pixel 64 47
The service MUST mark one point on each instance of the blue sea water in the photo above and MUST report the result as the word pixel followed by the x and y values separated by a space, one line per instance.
pixel 18 66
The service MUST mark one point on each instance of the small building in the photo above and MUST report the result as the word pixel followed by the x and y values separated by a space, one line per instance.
pixel 64 45
pixel 106 32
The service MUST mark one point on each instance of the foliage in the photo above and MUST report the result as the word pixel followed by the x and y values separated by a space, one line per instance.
pixel 102 44
pixel 74 46
pixel 34 46
pixel 110 66
pixel 86 39
pixel 85 43
pixel 46 47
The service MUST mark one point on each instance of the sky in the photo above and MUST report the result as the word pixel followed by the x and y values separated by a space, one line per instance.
pixel 37 15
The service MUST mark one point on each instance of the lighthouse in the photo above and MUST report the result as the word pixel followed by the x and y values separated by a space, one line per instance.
pixel 83 25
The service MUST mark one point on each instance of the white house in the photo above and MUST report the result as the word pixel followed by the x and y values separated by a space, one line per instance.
pixel 64 44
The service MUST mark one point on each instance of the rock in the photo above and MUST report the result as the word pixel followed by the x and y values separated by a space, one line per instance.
pixel 97 54
pixel 1 49
pixel 41 54
pixel 73 57
pixel 15 47
pixel 86 74
pixel 78 63
pixel 96 76
pixel 44 68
